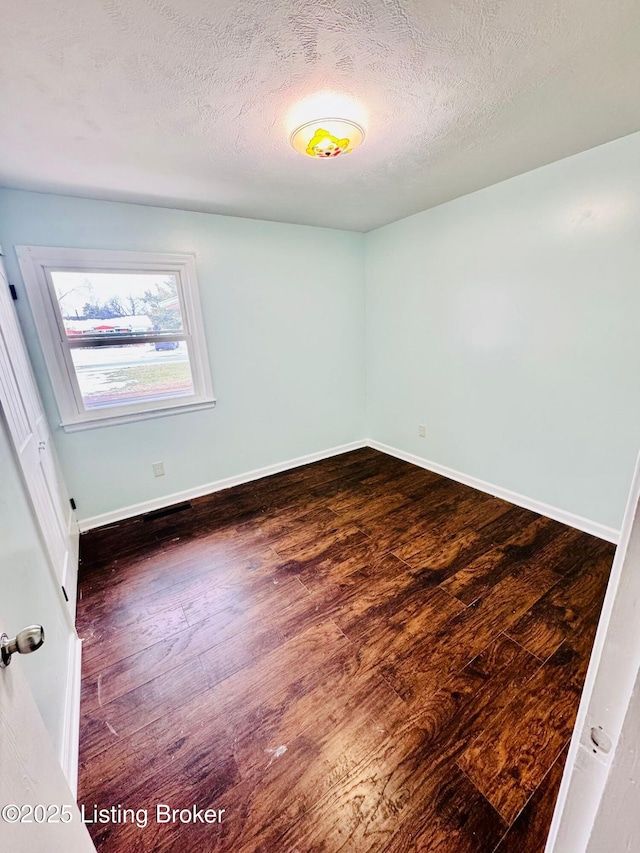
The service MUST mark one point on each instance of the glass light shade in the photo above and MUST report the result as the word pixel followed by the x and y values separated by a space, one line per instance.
pixel 327 138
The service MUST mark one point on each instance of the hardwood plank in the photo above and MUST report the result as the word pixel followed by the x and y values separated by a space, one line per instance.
pixel 564 609
pixel 397 635
pixel 366 504
pixel 199 575
pixel 181 560
pixel 379 584
pixel 335 562
pixel 528 833
pixel 122 640
pixel 242 635
pixel 480 575
pixel 475 694
pixel 101 726
pixel 405 523
pixel 457 640
pixel 164 745
pixel 458 818
pixel 511 757
pixel 401 783
pixel 198 783
pixel 247 645
pixel 278 721
pixel 276 671
pixel 423 485
pixel 234 599
pixel 473 513
pixel 307 544
pixel 438 554
pixel 259 807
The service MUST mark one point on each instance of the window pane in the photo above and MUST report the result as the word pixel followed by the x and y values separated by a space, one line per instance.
pixel 137 373
pixel 111 303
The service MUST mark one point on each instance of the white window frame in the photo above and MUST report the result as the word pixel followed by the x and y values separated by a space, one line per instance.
pixel 37 261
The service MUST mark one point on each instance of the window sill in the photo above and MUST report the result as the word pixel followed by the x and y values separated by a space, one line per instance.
pixel 131 417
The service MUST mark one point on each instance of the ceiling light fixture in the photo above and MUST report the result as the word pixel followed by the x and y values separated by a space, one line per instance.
pixel 327 138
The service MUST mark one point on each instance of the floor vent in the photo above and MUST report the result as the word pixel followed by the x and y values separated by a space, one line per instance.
pixel 170 510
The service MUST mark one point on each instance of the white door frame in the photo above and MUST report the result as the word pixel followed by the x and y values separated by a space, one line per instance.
pixel 32 441
pixel 28 432
pixel 611 677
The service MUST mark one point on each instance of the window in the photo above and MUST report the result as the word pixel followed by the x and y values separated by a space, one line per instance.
pixel 122 333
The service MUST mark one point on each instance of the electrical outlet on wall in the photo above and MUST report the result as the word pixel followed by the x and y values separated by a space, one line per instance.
pixel 158 469
pixel 422 431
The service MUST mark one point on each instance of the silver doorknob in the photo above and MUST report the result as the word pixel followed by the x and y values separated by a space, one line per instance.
pixel 26 641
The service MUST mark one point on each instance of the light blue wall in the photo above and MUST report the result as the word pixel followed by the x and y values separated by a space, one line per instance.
pixel 508 322
pixel 284 316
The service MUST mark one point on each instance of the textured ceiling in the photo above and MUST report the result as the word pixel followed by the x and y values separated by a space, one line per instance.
pixel 185 103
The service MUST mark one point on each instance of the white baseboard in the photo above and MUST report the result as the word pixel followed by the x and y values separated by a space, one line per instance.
pixel 71 732
pixel 562 515
pixel 208 488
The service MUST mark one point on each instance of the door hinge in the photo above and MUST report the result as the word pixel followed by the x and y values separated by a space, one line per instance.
pixel 13 292
pixel 73 503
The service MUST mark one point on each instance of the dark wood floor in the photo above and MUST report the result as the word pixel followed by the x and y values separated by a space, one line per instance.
pixel 357 655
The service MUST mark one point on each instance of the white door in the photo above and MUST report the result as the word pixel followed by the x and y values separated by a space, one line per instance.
pixel 30 775
pixel 597 754
pixel 31 438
